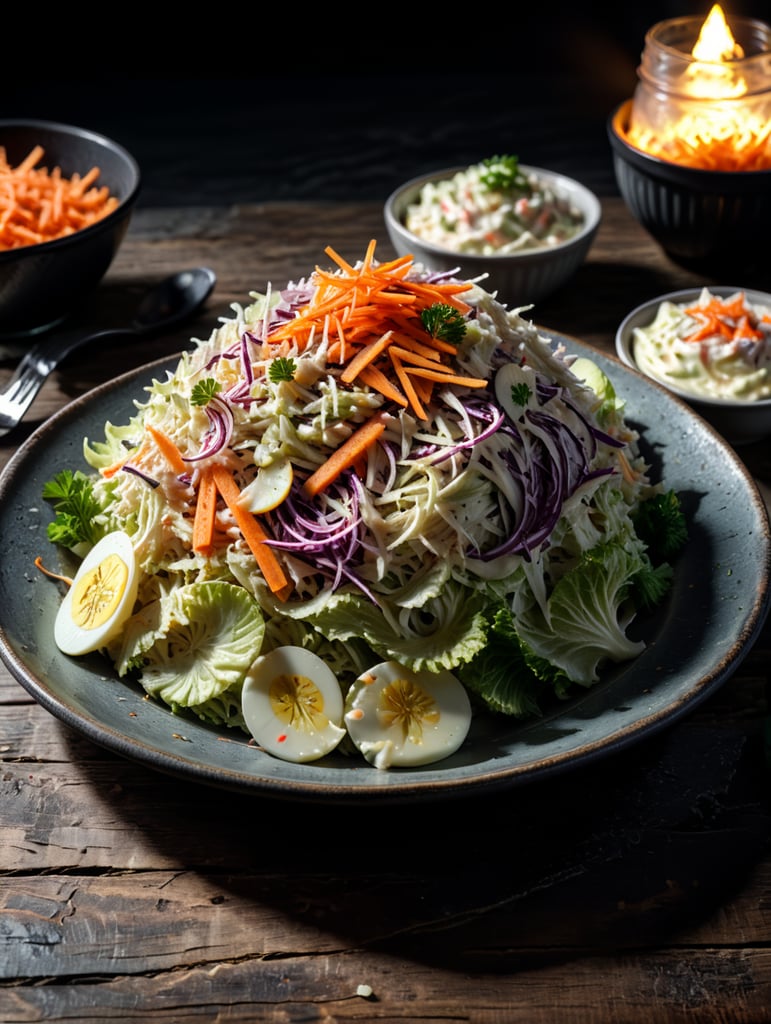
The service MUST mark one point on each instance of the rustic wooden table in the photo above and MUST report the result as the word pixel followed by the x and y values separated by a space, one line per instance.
pixel 635 889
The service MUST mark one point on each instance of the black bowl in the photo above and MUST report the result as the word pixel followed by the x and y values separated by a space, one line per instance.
pixel 42 284
pixel 709 220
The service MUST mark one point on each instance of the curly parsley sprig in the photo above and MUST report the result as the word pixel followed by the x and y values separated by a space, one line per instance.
pixel 444 322
pixel 503 174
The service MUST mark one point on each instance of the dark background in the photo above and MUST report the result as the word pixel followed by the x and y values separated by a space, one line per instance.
pixel 244 105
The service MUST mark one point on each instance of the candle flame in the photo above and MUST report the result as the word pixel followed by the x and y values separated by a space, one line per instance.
pixel 716 42
pixel 714 123
pixel 712 76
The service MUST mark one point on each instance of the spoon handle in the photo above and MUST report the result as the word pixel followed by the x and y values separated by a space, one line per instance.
pixel 31 373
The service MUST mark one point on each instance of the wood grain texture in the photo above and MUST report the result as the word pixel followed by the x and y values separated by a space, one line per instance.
pixel 635 889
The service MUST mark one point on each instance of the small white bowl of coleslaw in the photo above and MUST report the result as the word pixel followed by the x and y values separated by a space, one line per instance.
pixel 711 347
pixel 526 229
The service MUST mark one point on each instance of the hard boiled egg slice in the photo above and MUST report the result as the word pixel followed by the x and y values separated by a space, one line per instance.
pixel 400 718
pixel 292 704
pixel 101 597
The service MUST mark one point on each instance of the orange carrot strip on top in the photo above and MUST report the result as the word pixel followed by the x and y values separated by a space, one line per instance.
pixel 714 316
pixel 369 307
pixel 409 388
pixel 38 205
pixel 418 348
pixel 350 452
pixel 744 329
pixel 409 356
pixel 409 327
pixel 252 532
pixel 720 307
pixel 429 373
pixel 410 365
pixel 368 278
pixel 377 380
pixel 424 389
pixel 369 255
pixel 401 263
pixel 168 449
pixel 344 265
pixel 205 513
pixel 447 293
pixel 365 356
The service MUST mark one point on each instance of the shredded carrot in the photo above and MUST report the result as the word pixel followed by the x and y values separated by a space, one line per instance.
pixel 424 389
pixel 428 373
pixel 168 449
pixel 40 205
pixel 205 514
pixel 371 316
pixel 365 356
pixel 164 444
pixel 711 326
pixel 350 453
pixel 409 388
pixel 744 329
pixel 252 532
pixel 429 348
pixel 734 308
pixel 109 471
pixel 745 149
pixel 729 318
pixel 377 380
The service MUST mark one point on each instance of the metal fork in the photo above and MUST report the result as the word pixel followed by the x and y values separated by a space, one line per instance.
pixel 36 366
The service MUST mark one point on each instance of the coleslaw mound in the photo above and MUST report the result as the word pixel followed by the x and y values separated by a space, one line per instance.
pixel 500 535
pixel 495 207
pixel 712 347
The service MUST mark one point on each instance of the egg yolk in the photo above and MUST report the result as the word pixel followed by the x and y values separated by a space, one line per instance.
pixel 97 594
pixel 298 702
pixel 409 707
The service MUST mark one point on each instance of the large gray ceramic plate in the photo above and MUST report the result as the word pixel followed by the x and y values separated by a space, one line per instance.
pixel 716 608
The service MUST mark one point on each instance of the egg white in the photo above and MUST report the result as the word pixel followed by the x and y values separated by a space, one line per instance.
pixel 400 718
pixel 293 705
pixel 101 596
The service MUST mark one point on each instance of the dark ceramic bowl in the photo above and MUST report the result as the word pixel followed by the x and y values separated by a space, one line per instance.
pixel 708 219
pixel 42 284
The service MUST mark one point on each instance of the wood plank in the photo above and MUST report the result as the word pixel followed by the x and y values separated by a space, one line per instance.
pixel 64 925
pixel 659 988
pixel 12 692
pixel 32 733
pixel 654 836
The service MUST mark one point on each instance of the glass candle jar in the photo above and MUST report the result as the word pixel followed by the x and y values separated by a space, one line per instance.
pixel 714 113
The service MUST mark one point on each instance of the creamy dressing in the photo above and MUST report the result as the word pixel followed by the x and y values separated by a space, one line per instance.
pixel 711 347
pixel 466 213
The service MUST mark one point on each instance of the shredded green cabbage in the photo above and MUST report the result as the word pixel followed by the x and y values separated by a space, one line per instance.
pixel 495 538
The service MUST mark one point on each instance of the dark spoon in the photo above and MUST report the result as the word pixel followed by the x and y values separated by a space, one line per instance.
pixel 165 305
